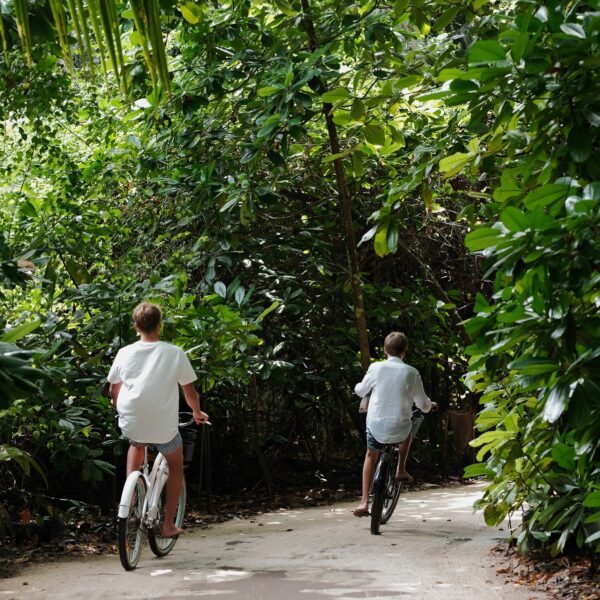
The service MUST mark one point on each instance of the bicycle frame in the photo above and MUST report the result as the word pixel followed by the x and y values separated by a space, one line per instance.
pixel 158 476
pixel 142 508
pixel 384 486
pixel 159 473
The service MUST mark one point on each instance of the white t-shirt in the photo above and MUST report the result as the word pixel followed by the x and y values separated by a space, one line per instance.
pixel 148 402
pixel 394 386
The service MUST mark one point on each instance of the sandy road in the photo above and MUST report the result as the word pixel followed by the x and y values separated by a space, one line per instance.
pixel 434 547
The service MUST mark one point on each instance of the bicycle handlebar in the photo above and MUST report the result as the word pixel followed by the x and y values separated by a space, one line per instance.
pixel 191 421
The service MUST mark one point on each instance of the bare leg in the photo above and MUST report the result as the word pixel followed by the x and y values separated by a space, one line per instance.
pixel 367 476
pixel 135 458
pixel 403 447
pixel 174 483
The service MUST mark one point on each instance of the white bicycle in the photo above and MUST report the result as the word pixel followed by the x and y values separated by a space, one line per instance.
pixel 142 509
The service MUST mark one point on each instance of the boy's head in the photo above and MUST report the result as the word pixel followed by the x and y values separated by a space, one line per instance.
pixel 146 317
pixel 395 344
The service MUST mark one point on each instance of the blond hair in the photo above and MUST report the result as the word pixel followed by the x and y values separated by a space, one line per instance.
pixel 395 343
pixel 146 317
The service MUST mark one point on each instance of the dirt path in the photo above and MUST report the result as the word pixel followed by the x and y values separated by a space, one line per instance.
pixel 434 547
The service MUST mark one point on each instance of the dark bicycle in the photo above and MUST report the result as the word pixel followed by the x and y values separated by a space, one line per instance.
pixel 385 489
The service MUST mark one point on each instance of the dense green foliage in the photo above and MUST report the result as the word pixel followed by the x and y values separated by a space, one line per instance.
pixel 218 194
pixel 536 350
pixel 221 204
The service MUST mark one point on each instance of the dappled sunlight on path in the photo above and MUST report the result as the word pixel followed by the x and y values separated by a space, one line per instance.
pixel 434 547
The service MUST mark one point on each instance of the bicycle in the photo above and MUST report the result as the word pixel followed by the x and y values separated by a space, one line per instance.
pixel 385 488
pixel 142 509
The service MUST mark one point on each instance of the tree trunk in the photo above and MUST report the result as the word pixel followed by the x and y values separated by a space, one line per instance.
pixel 345 206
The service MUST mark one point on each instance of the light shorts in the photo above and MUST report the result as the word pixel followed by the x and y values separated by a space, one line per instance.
pixel 164 449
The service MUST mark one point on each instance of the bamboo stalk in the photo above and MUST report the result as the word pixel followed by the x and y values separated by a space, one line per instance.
pixel 77 27
pixel 22 18
pixel 60 22
pixel 140 19
pixel 114 21
pixel 86 36
pixel 105 16
pixel 4 37
pixel 94 11
pixel 158 47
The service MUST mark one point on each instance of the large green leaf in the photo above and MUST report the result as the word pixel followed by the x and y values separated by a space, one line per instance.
pixel 592 499
pixel 556 402
pixel 580 143
pixel 486 51
pixel 269 90
pixel 514 219
pixel 16 333
pixel 357 110
pixel 381 238
pixel 191 12
pixel 375 134
pixel 451 165
pixel 534 366
pixel 335 95
pixel 482 238
pixel 23 459
pixel 509 187
pixel 547 195
pixel 564 456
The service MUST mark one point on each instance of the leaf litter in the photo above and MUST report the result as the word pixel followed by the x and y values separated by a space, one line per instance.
pixel 568 578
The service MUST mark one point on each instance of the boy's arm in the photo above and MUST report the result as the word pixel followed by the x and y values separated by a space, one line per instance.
pixel 115 388
pixel 420 397
pixel 193 401
pixel 366 385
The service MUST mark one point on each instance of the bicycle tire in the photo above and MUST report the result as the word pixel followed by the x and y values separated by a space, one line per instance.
pixel 160 545
pixel 379 480
pixel 391 491
pixel 130 527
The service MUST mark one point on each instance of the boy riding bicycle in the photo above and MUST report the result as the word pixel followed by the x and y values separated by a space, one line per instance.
pixel 144 379
pixel 394 386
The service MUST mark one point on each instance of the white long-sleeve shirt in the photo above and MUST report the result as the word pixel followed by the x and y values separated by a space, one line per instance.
pixel 394 386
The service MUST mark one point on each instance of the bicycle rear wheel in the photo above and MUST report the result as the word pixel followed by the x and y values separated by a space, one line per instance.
pixel 379 490
pixel 130 527
pixel 391 492
pixel 161 546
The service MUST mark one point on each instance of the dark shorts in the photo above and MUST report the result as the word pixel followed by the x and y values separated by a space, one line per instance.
pixel 372 443
pixel 164 449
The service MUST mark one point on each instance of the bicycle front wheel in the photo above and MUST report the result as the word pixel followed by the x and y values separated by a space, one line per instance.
pixel 161 546
pixel 379 491
pixel 391 492
pixel 130 526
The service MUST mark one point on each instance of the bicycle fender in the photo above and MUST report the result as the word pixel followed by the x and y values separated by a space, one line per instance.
pixel 128 488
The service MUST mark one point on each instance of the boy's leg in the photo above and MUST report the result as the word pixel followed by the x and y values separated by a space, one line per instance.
pixel 135 458
pixel 367 475
pixel 174 483
pixel 401 473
